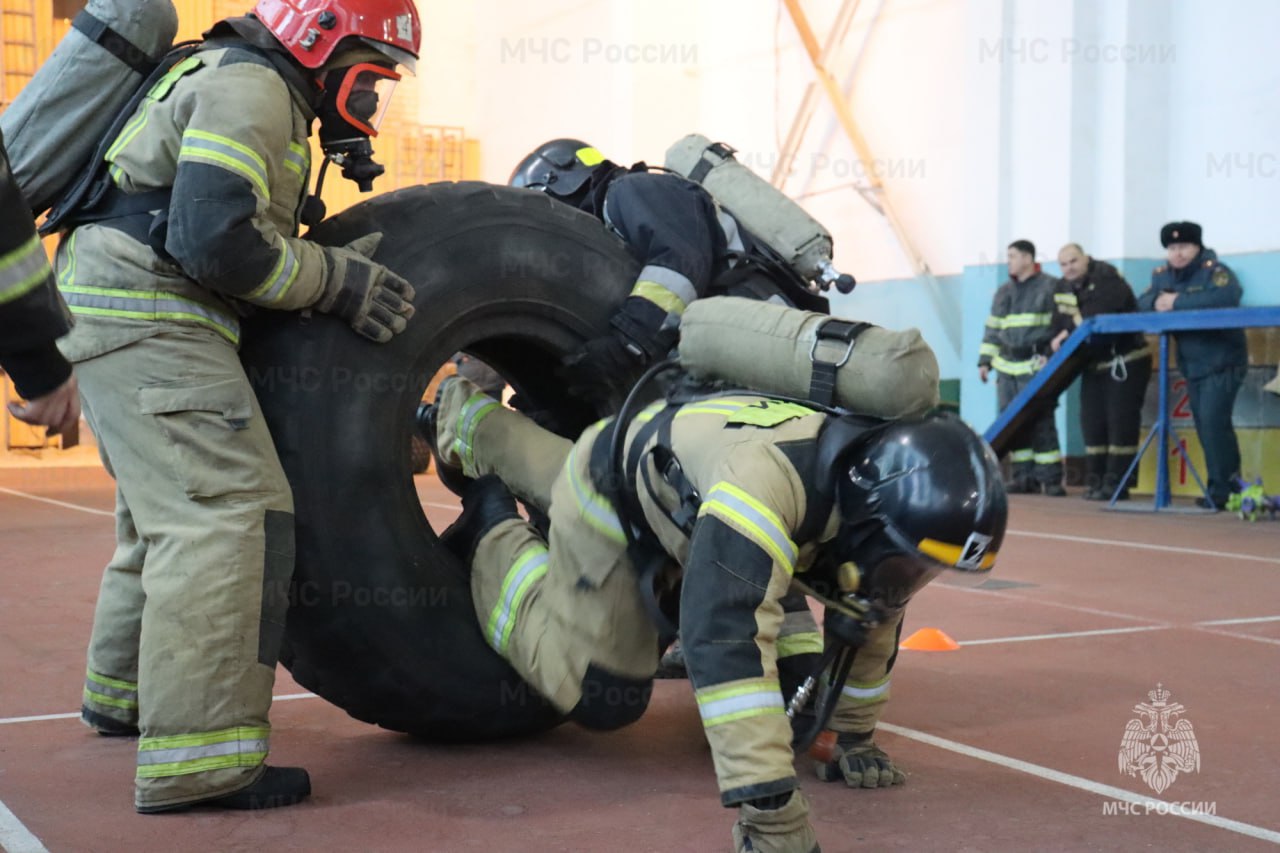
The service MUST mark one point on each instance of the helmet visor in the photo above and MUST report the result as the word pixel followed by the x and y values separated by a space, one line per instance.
pixel 364 94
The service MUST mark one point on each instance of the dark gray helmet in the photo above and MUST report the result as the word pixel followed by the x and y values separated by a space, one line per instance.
pixel 560 167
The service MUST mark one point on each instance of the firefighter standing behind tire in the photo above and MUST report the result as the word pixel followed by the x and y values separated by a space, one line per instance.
pixel 1114 382
pixel 781 490
pixel 192 605
pixel 32 317
pixel 683 242
pixel 1016 344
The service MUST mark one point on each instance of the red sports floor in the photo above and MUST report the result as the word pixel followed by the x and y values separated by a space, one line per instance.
pixel 1011 742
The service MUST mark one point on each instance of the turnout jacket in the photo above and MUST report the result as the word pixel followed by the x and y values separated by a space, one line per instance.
pixel 1102 290
pixel 226 132
pixel 1206 282
pixel 32 315
pixel 1024 318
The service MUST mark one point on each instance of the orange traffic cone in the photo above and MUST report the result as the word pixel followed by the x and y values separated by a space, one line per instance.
pixel 930 640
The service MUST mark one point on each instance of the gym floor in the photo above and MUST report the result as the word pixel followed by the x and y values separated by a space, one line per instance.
pixel 1011 741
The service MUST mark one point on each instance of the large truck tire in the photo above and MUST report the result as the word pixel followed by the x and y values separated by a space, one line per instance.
pixel 381 621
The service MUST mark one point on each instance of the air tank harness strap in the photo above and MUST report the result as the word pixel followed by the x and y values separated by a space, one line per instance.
pixel 822 381
pixel 649 559
pixel 97 31
pixel 704 165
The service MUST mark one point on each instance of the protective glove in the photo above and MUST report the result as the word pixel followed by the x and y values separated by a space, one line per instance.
pixel 601 365
pixel 781 830
pixel 374 300
pixel 860 763
pixel 646 329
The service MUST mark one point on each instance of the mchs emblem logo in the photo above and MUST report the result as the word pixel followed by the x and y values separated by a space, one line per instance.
pixel 1158 745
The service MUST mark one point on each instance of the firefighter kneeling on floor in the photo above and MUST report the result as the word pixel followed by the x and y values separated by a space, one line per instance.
pixel 747 498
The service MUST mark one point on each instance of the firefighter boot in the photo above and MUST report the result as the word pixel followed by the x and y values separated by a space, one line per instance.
pixel 276 787
pixel 486 503
pixel 451 476
pixel 784 829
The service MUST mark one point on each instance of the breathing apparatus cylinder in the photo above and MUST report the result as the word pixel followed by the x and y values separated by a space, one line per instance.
pixel 54 125
pixel 771 349
pixel 798 238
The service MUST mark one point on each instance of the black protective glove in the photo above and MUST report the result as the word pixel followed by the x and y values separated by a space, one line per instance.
pixel 600 366
pixel 647 330
pixel 374 300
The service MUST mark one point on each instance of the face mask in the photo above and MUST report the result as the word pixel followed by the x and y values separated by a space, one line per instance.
pixel 354 103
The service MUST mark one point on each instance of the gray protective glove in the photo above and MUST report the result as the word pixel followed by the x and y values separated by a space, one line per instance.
pixel 860 763
pixel 781 830
pixel 374 300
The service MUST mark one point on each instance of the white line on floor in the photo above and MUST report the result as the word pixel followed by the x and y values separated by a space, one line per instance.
pixel 1081 783
pixel 63 504
pixel 287 697
pixel 1027 637
pixel 15 837
pixel 1022 599
pixel 1238 636
pixel 1146 546
pixel 1247 621
pixel 454 507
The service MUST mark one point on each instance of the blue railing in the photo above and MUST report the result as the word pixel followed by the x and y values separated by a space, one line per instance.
pixel 1051 380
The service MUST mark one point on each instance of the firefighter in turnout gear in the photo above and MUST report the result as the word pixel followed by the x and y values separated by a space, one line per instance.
pixel 1214 361
pixel 684 242
pixel 32 317
pixel 1115 380
pixel 1016 344
pixel 744 498
pixel 671 225
pixel 191 610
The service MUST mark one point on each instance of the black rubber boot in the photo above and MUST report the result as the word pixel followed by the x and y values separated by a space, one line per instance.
pixel 1055 490
pixel 486 503
pixel 450 476
pixel 108 726
pixel 276 787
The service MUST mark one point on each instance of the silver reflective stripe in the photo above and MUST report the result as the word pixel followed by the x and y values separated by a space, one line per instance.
pixel 797 622
pixel 281 278
pixel 22 270
pixel 761 700
pixel 513 590
pixel 176 754
pixel 297 159
pixel 864 693
pixel 472 413
pixel 226 153
pixel 726 497
pixel 94 686
pixel 110 302
pixel 677 283
pixel 595 509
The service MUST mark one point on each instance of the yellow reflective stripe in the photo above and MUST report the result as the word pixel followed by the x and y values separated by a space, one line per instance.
pixel 867 692
pixel 753 519
pixel 1023 321
pixel 1048 458
pixel 165 83
pixel 469 419
pixel 146 305
pixel 1022 455
pixel 710 407
pixel 945 552
pixel 806 643
pixel 1067 299
pixel 994 322
pixel 225 152
pixel 593 508
pixel 298 159
pixel 589 156
pixel 1013 368
pixel 1122 448
pixel 201 765
pixel 769 413
pixel 117 683
pixel 23 270
pixel 280 280
pixel 96 698
pixel 1095 450
pixel 658 295
pixel 235 733
pixel 131 130
pixel 754 698
pixel 988 349
pixel 530 567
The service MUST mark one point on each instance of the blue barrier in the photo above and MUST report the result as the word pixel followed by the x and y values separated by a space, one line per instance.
pixel 1065 365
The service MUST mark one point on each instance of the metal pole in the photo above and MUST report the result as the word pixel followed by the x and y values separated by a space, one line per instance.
pixel 1163 496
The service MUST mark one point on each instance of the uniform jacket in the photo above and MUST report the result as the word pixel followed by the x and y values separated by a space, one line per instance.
pixel 1203 283
pixel 675 230
pixel 1024 317
pixel 229 135
pixel 32 315
pixel 1103 290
